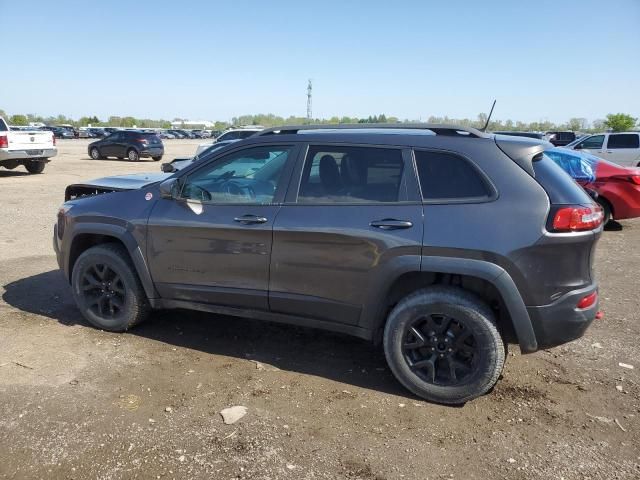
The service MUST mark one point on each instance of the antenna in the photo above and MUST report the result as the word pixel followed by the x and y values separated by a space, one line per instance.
pixel 309 112
pixel 484 129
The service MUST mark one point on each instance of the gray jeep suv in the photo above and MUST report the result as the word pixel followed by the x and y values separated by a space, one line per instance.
pixel 442 243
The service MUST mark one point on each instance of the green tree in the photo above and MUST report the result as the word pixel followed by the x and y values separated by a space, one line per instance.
pixel 18 120
pixel 577 124
pixel 620 122
pixel 3 114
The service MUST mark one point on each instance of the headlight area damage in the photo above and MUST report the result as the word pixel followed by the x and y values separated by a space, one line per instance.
pixel 73 192
pixel 112 184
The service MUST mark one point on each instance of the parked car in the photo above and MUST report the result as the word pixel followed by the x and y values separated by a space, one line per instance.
pixel 622 148
pixel 232 134
pixel 617 188
pixel 129 144
pixel 31 148
pixel 97 132
pixel 560 139
pixel 166 135
pixel 442 243
pixel 59 132
pixel 178 134
pixel 180 163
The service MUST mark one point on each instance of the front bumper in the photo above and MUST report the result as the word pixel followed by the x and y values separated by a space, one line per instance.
pixel 561 322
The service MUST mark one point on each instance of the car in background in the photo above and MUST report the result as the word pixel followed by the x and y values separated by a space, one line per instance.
pixel 166 135
pixel 622 148
pixel 97 132
pixel 232 134
pixel 180 163
pixel 27 146
pixel 536 135
pixel 131 144
pixel 110 130
pixel 59 132
pixel 178 133
pixel 617 188
pixel 560 139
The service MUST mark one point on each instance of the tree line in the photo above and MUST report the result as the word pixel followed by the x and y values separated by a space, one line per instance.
pixel 615 122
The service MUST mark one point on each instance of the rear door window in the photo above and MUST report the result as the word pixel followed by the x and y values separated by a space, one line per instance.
pixel 446 176
pixel 623 140
pixel 343 174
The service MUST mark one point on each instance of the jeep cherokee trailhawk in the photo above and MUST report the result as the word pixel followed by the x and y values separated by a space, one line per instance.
pixel 442 243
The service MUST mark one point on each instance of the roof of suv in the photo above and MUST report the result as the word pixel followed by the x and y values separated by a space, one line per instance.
pixel 522 150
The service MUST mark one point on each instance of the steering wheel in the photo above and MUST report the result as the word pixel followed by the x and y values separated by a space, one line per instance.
pixel 198 193
pixel 232 188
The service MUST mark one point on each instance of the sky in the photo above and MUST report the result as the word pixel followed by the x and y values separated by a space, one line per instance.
pixel 199 59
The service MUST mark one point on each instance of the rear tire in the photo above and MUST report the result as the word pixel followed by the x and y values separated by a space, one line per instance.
pixel 35 167
pixel 606 210
pixel 442 343
pixel 157 159
pixel 107 289
pixel 132 155
pixel 95 154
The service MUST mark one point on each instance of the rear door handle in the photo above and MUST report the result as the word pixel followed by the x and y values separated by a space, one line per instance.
pixel 391 224
pixel 250 219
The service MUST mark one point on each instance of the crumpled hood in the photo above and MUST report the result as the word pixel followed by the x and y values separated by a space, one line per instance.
pixel 116 183
pixel 127 182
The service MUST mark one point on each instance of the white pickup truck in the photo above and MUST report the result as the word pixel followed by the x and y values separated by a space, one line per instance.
pixel 31 148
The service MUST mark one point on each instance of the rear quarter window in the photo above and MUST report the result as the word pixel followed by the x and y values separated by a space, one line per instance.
pixel 446 176
pixel 560 187
pixel 3 126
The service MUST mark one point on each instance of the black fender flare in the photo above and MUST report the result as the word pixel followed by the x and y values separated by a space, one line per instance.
pixel 492 273
pixel 119 232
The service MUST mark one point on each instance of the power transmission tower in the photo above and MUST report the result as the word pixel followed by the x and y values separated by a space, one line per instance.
pixel 309 112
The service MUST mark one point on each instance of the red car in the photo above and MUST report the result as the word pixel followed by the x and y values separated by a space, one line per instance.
pixel 618 188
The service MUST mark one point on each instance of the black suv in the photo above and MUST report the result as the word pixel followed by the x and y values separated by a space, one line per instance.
pixel 131 144
pixel 442 243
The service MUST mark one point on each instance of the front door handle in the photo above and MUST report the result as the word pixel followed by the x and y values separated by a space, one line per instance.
pixel 250 219
pixel 391 224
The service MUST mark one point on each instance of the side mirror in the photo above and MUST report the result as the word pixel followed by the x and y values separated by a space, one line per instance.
pixel 168 168
pixel 169 188
pixel 578 147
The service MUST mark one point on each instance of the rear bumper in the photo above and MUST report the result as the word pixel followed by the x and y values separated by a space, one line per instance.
pixel 27 154
pixel 152 152
pixel 561 322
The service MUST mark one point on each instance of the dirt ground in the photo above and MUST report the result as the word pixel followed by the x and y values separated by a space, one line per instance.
pixel 80 403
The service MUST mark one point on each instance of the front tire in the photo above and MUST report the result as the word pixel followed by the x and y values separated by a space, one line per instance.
pixel 157 159
pixel 132 155
pixel 35 167
pixel 442 344
pixel 107 289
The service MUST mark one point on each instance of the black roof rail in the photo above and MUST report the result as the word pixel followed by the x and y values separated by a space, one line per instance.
pixel 438 129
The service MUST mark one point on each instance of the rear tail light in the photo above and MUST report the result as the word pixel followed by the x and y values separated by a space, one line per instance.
pixel 4 141
pixel 588 301
pixel 635 179
pixel 143 140
pixel 577 218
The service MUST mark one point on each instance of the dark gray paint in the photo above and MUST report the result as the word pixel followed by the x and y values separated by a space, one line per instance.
pixel 326 266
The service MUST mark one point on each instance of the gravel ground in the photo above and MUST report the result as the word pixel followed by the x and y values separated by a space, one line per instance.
pixel 80 403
